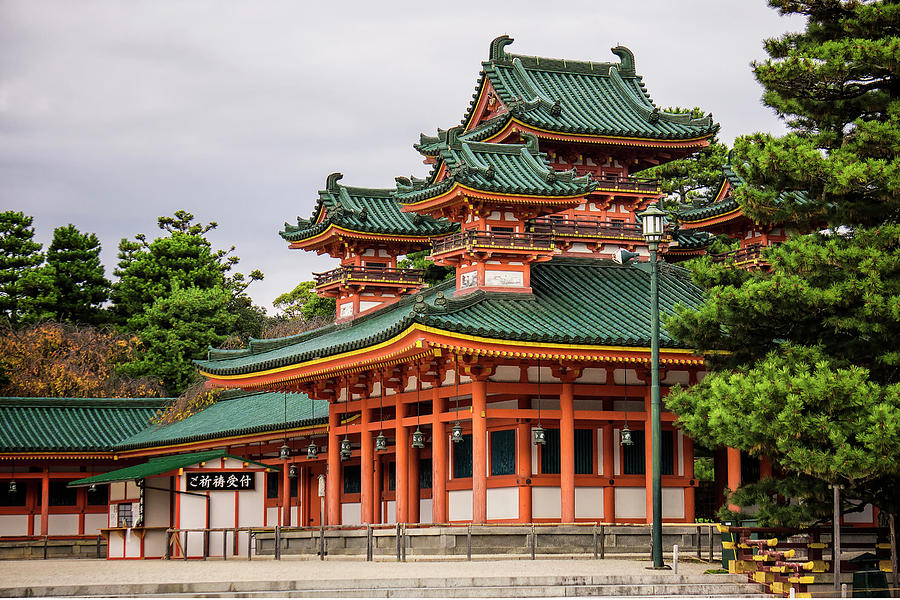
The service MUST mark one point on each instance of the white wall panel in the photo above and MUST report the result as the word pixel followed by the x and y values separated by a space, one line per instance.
pixel 18 524
pixel 673 503
pixel 631 503
pixel 503 503
pixel 459 505
pixel 545 502
pixel 62 525
pixel 588 503
pixel 93 523
pixel 351 513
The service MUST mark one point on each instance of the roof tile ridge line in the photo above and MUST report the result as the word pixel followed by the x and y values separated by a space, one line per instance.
pixel 46 401
pixel 635 101
pixel 560 65
pixel 548 173
pixel 641 105
pixel 472 160
pixel 362 191
pixel 545 102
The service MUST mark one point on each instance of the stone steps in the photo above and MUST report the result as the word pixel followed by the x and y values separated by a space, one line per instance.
pixel 708 586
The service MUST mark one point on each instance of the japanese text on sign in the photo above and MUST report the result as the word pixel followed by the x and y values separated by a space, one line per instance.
pixel 221 480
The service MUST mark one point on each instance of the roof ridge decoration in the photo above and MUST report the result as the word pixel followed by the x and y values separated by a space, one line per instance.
pixel 554 107
pixel 498 44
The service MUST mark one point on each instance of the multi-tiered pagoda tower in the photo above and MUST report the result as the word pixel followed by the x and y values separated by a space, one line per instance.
pixel 510 392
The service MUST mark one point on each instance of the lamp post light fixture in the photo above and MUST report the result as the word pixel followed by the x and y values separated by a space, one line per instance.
pixel 653 221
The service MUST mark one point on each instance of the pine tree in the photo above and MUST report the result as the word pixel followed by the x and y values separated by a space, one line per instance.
pixel 20 255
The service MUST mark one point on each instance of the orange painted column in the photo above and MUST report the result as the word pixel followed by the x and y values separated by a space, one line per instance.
pixel 609 492
pixel 734 473
pixel 367 450
pixel 285 495
pixel 414 496
pixel 438 457
pixel 45 501
pixel 689 475
pixel 648 457
pixel 333 468
pixel 479 450
pixel 567 452
pixel 305 497
pixel 376 490
pixel 523 469
pixel 401 468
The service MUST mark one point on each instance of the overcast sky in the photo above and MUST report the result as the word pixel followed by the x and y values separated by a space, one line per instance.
pixel 113 113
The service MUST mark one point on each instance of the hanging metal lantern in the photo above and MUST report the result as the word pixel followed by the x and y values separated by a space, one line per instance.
pixel 539 436
pixel 345 448
pixel 13 486
pixel 284 452
pixel 380 442
pixel 312 450
pixel 292 471
pixel 418 439
pixel 456 433
pixel 626 437
pixel 92 489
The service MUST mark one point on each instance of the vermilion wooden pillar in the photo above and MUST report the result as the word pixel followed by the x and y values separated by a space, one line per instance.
pixel 689 475
pixel 609 493
pixel 285 495
pixel 305 497
pixel 366 469
pixel 333 464
pixel 567 452
pixel 523 469
pixel 438 457
pixel 414 497
pixel 45 501
pixel 376 491
pixel 401 468
pixel 479 449
pixel 734 473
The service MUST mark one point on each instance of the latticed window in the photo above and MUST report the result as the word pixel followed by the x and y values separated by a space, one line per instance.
pixel 462 457
pixel 424 473
pixel 584 452
pixel 633 455
pixel 503 452
pixel 352 483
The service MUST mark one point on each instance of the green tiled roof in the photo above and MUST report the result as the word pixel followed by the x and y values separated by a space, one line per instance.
pixel 432 145
pixel 574 301
pixel 243 414
pixel 72 424
pixel 496 168
pixel 590 98
pixel 690 240
pixel 160 465
pixel 728 204
pixel 363 209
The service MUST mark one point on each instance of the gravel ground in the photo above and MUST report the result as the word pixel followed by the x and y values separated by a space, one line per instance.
pixel 93 572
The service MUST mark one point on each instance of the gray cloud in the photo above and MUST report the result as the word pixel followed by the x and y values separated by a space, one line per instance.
pixel 113 113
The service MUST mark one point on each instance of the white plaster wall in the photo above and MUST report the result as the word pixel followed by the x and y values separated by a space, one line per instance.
pixel 233 463
pixel 504 404
pixel 18 524
pixel 425 515
pixel 156 503
pixel 503 503
pixel 351 513
pixel 459 505
pixel 93 523
pixel 193 512
pixel 545 502
pixel 865 516
pixel 116 547
pixel 367 304
pixel 617 449
pixel 504 278
pixel 132 544
pixel 251 504
pixel 673 377
pixel 221 515
pixel 546 375
pixel 588 503
pixel 62 525
pixel 580 247
pixel 633 379
pixel 672 503
pixel 629 405
pixel 272 516
pixel 586 404
pixel 631 503
pixel 132 490
pixel 593 375
pixel 411 384
pixel 391 511
pixel 599 437
pixel 506 373
pixel 155 544
pixel 117 491
pixel 679 438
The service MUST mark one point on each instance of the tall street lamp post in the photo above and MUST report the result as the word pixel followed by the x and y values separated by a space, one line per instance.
pixel 653 223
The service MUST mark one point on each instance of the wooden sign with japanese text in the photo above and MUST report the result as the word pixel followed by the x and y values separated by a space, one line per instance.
pixel 221 481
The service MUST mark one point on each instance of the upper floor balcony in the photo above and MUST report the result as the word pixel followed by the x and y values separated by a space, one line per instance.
pixel 475 241
pixel 747 256
pixel 349 275
pixel 592 228
pixel 616 183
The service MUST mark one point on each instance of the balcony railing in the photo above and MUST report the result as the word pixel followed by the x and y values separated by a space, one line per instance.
pixel 585 227
pixel 743 255
pixel 371 275
pixel 493 239
pixel 627 184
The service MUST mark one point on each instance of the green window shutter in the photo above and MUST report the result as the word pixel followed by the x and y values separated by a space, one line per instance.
pixel 503 452
pixel 352 483
pixel 392 476
pixel 462 457
pixel 424 473
pixel 272 484
pixel 633 455
pixel 584 451
pixel 550 452
pixel 667 467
